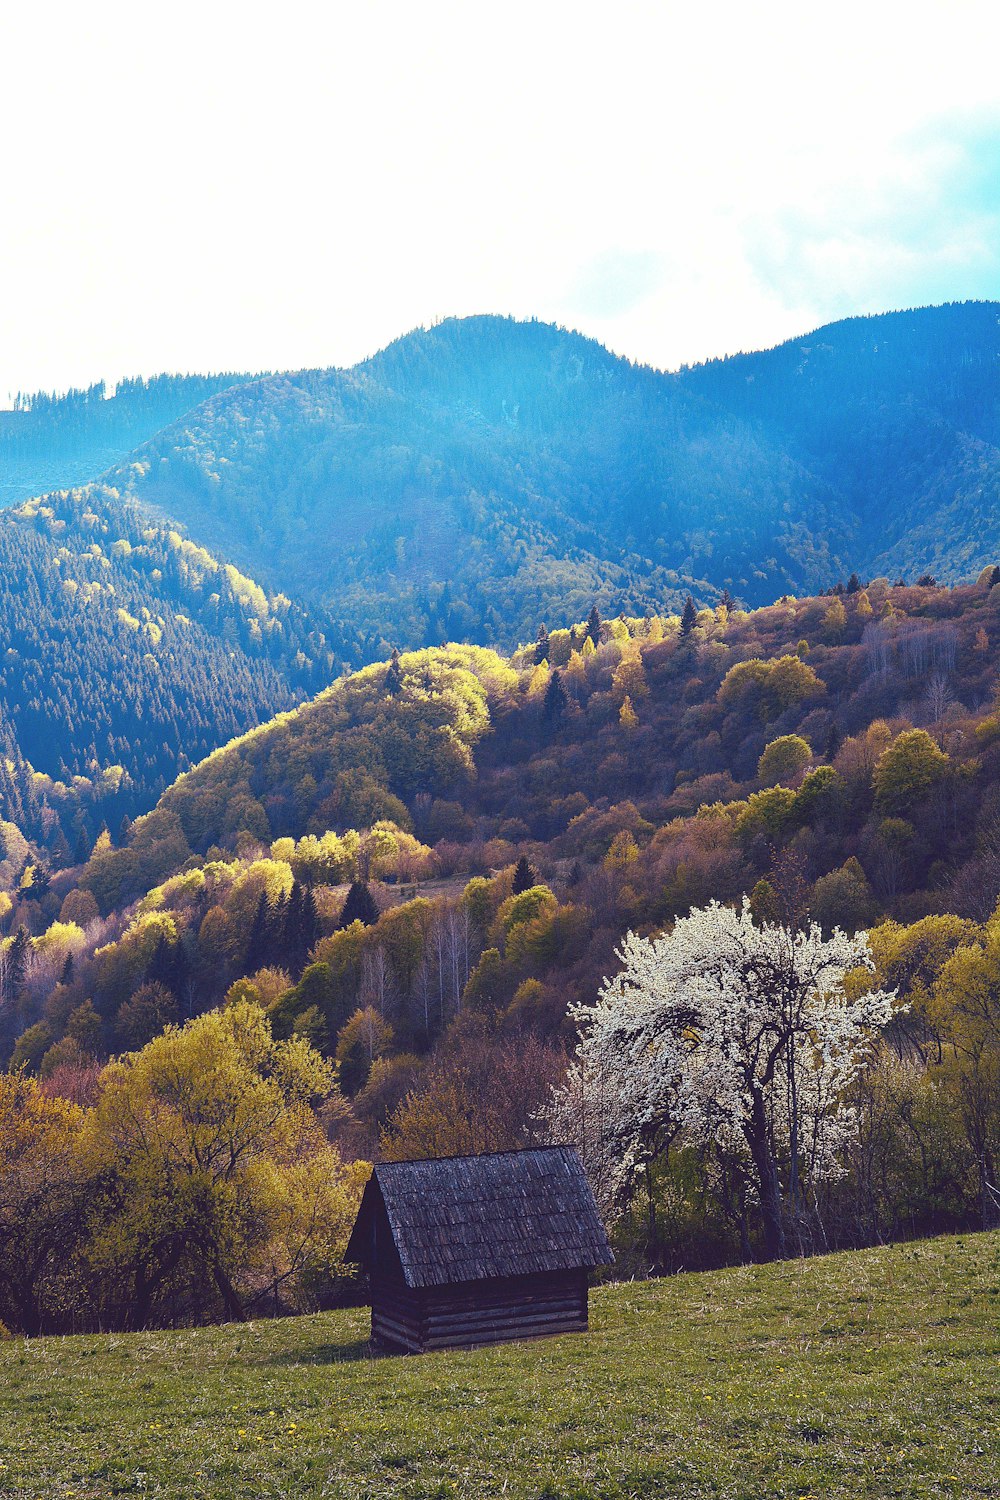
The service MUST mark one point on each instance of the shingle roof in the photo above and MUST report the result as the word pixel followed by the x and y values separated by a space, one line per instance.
pixel 469 1218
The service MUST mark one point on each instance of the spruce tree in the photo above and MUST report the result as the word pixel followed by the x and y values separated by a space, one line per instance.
pixel 689 617
pixel 393 676
pixel 542 646
pixel 17 964
pixel 359 906
pixel 260 932
pixel 594 625
pixel 554 704
pixel 291 934
pixel 167 966
pixel 310 922
pixel 524 876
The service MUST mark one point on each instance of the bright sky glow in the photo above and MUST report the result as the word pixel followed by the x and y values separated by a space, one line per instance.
pixel 236 185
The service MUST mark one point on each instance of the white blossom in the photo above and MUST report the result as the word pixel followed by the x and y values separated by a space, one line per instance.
pixel 740 1038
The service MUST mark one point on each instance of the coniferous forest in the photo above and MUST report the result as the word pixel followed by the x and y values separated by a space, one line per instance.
pixel 384 751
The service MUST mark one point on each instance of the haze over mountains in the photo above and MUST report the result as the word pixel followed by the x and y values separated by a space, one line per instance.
pixel 50 442
pixel 467 483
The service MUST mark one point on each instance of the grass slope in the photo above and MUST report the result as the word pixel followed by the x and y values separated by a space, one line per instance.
pixel 866 1374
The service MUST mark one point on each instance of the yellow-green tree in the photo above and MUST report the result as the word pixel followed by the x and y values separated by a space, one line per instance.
pixel 42 1180
pixel 221 1191
pixel 907 770
pixel 963 1011
pixel 784 760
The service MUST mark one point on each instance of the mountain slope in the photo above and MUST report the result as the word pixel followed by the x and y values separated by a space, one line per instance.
pixel 482 756
pixel 129 653
pixel 482 475
pixel 478 477
pixel 55 442
pixel 900 415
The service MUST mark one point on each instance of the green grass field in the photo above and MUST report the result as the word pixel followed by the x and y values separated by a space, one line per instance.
pixel 867 1374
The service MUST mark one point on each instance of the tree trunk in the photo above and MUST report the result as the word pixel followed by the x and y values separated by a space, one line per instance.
pixel 230 1299
pixel 989 1191
pixel 758 1139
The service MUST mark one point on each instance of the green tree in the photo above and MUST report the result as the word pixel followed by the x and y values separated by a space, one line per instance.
pixel 219 1182
pixel 42 1196
pixel 784 760
pixel 905 772
pixel 359 906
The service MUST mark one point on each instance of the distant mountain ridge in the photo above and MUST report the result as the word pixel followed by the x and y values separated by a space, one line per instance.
pixel 483 475
pixel 55 442
pixel 900 414
pixel 468 483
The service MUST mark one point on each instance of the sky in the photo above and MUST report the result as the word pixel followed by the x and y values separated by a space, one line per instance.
pixel 221 186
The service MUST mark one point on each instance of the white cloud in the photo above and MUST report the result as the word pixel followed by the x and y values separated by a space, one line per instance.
pixel 230 185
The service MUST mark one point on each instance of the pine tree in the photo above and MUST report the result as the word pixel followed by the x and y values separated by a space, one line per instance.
pixel 542 645
pixel 310 922
pixel 359 906
pixel 554 705
pixel 854 584
pixel 689 617
pixel 260 933
pixel 594 625
pixel 68 970
pixel 393 676
pixel 524 876
pixel 291 933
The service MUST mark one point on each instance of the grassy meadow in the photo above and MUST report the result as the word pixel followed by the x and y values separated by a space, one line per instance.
pixel 874 1373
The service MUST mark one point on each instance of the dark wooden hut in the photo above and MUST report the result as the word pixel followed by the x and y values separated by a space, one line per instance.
pixel 471 1250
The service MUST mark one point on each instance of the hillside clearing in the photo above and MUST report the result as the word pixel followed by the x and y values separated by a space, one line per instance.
pixel 874 1373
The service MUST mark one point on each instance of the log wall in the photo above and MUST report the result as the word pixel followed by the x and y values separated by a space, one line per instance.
pixel 467 1314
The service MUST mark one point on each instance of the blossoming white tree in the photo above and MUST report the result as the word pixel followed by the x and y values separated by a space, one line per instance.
pixel 732 1035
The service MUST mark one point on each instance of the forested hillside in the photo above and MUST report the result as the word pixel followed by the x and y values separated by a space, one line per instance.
pixel 900 415
pixel 128 654
pixel 52 442
pixel 427 869
pixel 481 475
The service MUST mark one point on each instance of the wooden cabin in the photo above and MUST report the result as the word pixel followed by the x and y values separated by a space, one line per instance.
pixel 471 1250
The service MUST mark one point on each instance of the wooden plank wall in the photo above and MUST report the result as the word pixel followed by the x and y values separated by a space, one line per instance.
pixel 486 1312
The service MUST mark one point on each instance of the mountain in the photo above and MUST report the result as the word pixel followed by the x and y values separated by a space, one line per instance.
pixel 900 415
pixel 129 653
pixel 53 442
pixel 484 475
pixel 477 750
pixel 467 483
